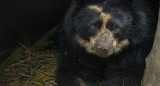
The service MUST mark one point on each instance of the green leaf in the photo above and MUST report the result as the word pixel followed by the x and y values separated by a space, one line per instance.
pixel 15 55
pixel 44 40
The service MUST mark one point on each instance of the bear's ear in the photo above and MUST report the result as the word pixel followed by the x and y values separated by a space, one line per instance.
pixel 128 2
pixel 80 1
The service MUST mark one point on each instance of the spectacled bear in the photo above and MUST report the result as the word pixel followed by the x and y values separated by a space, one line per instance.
pixel 105 40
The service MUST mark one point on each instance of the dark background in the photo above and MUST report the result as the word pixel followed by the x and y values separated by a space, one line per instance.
pixel 35 17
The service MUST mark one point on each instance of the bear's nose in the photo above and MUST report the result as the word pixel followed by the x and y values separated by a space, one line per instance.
pixel 102 48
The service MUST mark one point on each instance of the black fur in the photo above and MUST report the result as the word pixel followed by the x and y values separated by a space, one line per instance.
pixel 77 67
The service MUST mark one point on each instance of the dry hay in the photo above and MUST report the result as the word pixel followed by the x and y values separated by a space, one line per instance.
pixel 37 69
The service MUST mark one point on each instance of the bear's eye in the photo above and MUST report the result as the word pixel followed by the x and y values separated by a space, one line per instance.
pixel 116 29
pixel 96 25
pixel 93 27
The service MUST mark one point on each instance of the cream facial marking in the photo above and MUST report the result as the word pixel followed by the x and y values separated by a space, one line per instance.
pixel 105 17
pixel 89 45
pixel 121 45
pixel 85 43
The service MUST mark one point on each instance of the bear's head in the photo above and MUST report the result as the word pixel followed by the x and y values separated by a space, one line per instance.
pixel 104 27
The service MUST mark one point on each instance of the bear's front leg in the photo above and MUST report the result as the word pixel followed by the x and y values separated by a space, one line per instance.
pixel 70 73
pixel 126 68
pixel 118 76
pixel 75 76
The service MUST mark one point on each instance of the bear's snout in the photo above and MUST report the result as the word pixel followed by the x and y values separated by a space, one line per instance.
pixel 103 46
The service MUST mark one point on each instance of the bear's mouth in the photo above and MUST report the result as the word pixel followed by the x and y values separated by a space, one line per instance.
pixel 113 47
pixel 103 53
